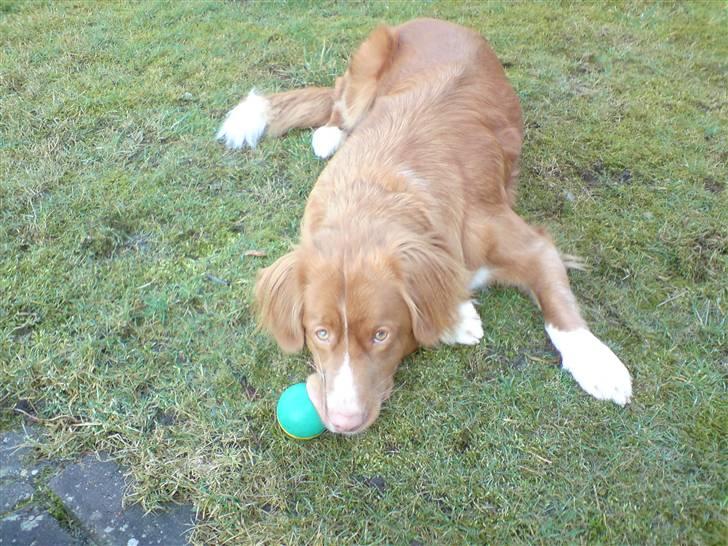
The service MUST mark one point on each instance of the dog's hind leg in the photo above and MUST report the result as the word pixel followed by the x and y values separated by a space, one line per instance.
pixel 521 255
pixel 356 91
pixel 275 115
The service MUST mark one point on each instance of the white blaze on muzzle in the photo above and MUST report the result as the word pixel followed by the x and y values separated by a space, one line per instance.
pixel 343 397
pixel 343 404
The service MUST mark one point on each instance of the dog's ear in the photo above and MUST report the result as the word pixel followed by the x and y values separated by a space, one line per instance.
pixel 279 301
pixel 433 286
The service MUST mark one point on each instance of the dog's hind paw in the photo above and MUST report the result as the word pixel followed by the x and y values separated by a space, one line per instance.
pixel 326 140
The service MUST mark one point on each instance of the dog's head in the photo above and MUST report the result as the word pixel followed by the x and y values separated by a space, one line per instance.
pixel 359 315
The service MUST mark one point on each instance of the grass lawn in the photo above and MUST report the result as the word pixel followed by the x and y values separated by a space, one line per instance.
pixel 125 288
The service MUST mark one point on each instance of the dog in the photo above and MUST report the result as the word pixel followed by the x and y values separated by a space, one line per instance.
pixel 411 215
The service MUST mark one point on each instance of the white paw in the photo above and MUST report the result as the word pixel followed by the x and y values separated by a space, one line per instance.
pixel 480 279
pixel 326 140
pixel 594 366
pixel 468 330
pixel 245 123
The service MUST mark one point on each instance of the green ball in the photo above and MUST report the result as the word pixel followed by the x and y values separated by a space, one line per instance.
pixel 297 415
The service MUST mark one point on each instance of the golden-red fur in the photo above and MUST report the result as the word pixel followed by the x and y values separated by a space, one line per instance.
pixel 415 201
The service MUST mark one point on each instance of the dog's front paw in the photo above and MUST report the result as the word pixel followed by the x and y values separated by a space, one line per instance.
pixel 246 123
pixel 469 328
pixel 594 366
pixel 326 140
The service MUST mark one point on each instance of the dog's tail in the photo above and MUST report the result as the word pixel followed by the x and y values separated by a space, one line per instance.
pixel 275 115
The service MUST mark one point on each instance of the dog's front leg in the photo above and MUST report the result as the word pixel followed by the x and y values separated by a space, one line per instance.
pixel 524 256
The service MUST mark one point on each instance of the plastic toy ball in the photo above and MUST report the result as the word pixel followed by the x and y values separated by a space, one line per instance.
pixel 297 415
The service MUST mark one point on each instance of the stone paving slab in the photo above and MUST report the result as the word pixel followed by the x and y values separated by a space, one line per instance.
pixel 31 527
pixel 12 453
pixel 12 494
pixel 92 490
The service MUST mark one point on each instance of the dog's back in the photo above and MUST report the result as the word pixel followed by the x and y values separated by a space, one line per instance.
pixel 476 93
pixel 438 104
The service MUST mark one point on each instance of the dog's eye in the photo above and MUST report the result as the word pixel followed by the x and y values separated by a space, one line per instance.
pixel 322 334
pixel 380 335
